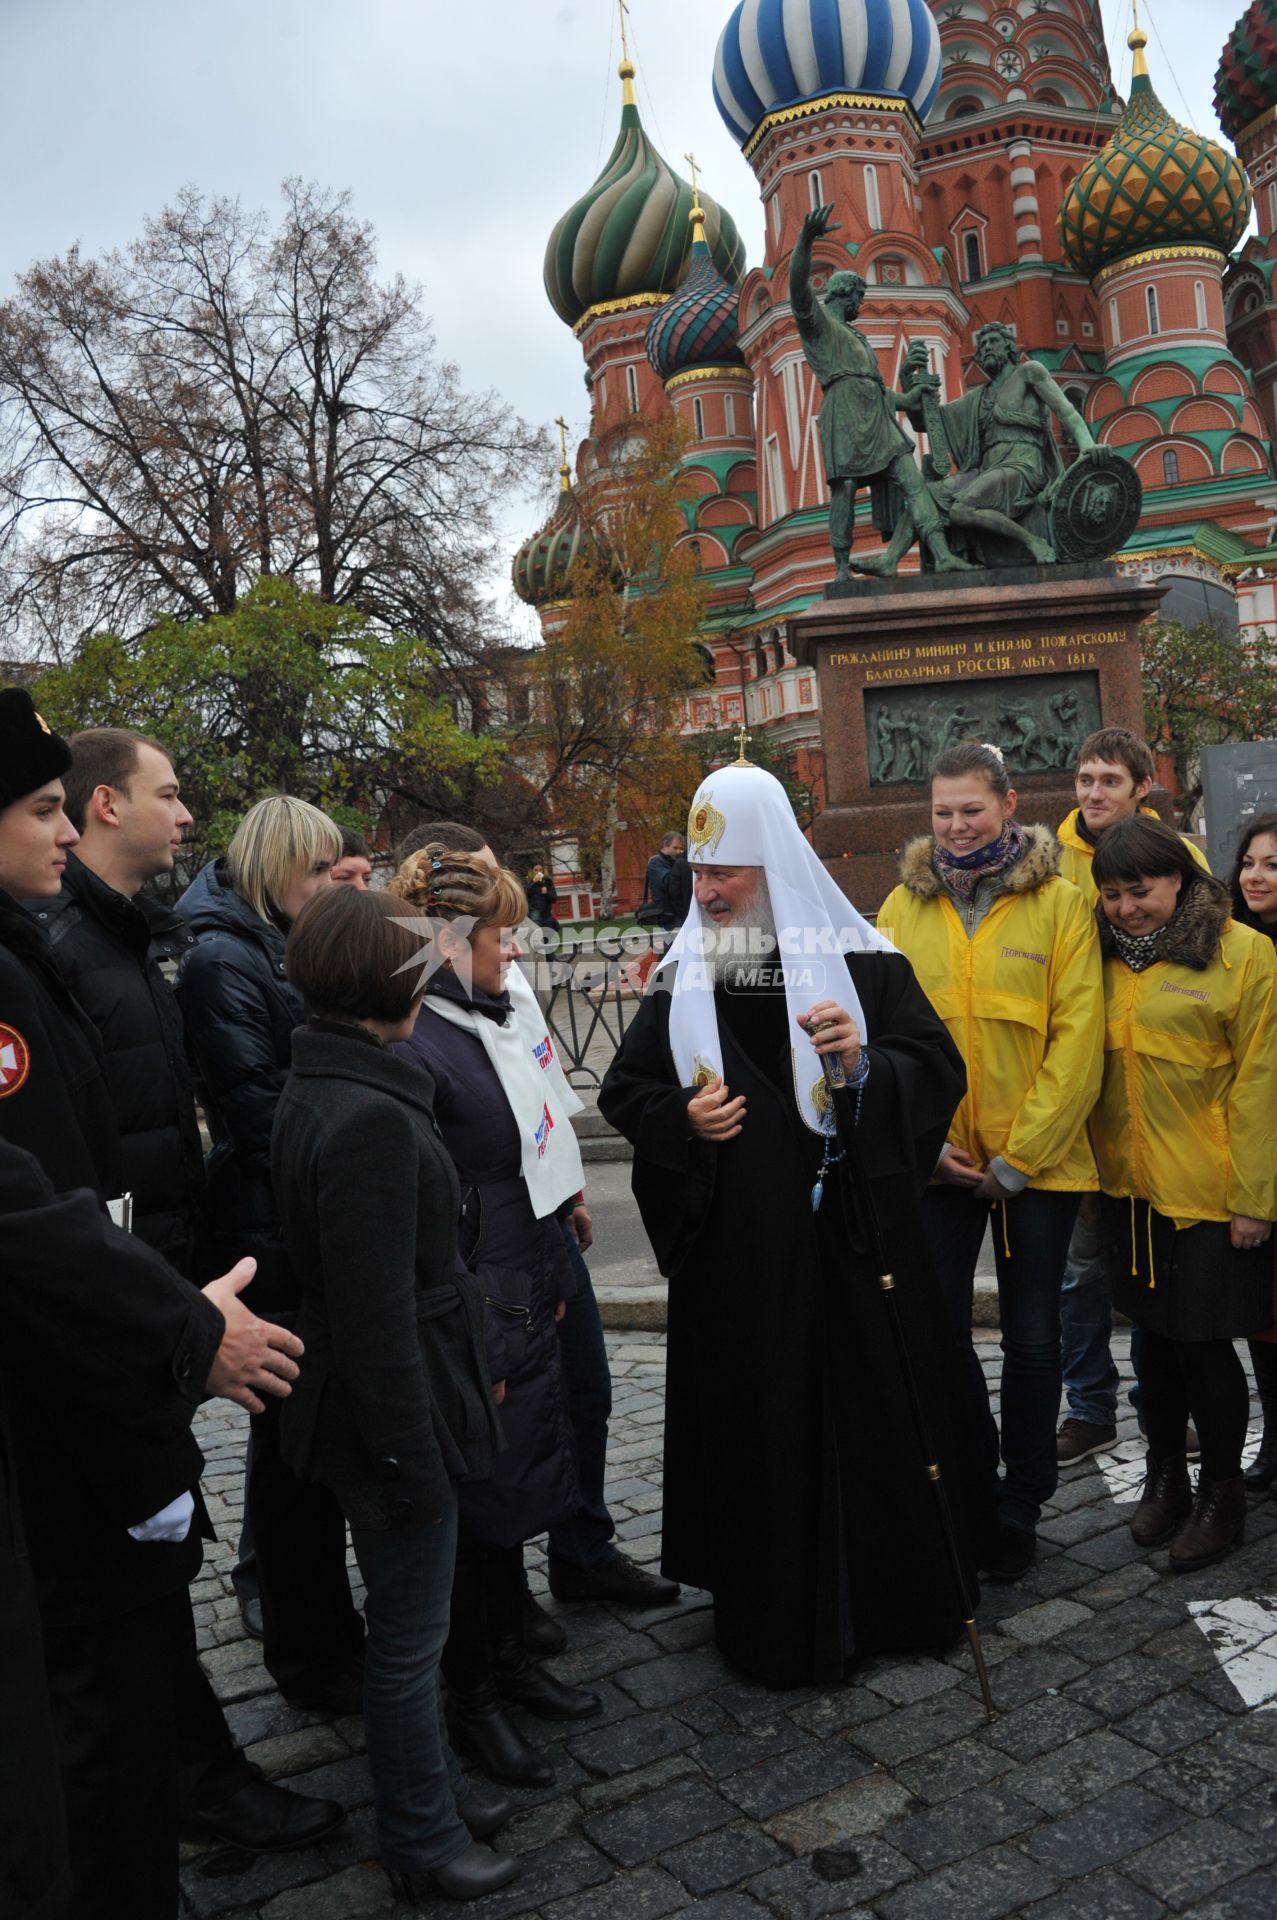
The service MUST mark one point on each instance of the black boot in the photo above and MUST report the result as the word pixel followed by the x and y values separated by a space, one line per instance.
pixel 521 1679
pixel 472 1874
pixel 478 1724
pixel 1262 1471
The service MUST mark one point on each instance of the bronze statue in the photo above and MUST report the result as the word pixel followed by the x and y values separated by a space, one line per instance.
pixel 994 477
pixel 860 437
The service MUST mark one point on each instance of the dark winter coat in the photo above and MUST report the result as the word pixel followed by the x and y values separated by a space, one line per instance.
pixel 655 886
pixel 240 1014
pixel 119 956
pixel 142 1349
pixel 84 1486
pixel 394 1404
pixel 678 889
pixel 523 1272
pixel 54 1097
pixel 785 1396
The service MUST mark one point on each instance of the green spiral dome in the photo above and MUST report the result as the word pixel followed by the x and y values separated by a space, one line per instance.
pixel 629 235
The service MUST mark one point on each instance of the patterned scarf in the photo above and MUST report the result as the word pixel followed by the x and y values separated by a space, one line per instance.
pixel 963 872
pixel 1139 950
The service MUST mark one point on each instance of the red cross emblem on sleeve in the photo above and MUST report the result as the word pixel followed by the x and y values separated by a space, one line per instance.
pixel 15 1060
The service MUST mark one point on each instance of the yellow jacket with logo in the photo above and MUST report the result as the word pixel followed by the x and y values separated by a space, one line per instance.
pixel 1187 1117
pixel 1023 1001
pixel 1079 853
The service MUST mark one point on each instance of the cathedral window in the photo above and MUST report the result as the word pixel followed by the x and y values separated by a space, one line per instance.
pixel 1170 468
pixel 1154 323
pixel 698 417
pixel 631 389
pixel 1114 326
pixel 1199 304
pixel 971 249
pixel 1272 205
pixel 729 415
pixel 815 189
pixel 775 216
pixel 873 205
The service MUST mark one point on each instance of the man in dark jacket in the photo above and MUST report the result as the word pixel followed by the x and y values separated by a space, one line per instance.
pixel 111 1530
pixel 655 885
pixel 118 950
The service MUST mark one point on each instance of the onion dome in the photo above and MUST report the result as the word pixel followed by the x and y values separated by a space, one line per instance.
pixel 628 238
pixel 1155 184
pixel 1246 79
pixel 774 54
pixel 697 325
pixel 542 564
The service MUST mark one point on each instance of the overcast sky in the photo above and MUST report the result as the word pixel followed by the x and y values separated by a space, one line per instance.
pixel 463 129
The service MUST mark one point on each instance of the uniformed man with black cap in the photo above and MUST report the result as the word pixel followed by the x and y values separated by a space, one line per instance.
pixel 110 1514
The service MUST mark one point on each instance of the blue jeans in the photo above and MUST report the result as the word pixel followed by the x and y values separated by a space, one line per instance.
pixel 1091 1379
pixel 585 1537
pixel 416 1780
pixel 1036 1229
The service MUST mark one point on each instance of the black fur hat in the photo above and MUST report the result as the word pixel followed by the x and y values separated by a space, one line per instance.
pixel 31 754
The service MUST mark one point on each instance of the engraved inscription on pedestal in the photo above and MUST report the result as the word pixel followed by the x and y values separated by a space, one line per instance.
pixel 1038 720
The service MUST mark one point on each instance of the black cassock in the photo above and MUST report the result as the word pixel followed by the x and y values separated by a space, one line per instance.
pixel 795 1489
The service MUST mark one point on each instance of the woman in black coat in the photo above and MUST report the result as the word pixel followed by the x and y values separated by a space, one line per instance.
pixel 1254 887
pixel 496 1103
pixel 240 1012
pixel 394 1407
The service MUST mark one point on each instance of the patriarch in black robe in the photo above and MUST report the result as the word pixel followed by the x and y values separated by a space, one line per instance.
pixel 795 1482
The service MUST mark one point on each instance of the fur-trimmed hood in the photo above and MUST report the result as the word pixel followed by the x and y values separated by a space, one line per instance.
pixel 1193 932
pixel 1039 862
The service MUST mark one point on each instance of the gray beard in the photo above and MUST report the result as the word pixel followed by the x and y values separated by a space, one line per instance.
pixel 746 943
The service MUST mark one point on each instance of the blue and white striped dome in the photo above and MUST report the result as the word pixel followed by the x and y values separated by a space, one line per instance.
pixel 776 53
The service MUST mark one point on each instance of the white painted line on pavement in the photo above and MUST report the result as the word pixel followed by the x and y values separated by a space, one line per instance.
pixel 1243 1636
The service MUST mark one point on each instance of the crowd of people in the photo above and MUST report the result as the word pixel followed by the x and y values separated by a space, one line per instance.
pixel 378 1251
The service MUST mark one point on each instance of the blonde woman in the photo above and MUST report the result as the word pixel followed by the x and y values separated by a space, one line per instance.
pixel 240 1013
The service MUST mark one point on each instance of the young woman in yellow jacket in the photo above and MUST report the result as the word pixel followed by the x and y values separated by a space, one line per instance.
pixel 1185 1136
pixel 1006 951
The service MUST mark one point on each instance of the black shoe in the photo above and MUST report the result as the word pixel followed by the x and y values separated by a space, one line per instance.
pixel 527 1684
pixel 612 1578
pixel 341 1692
pixel 1012 1553
pixel 250 1612
pixel 484 1813
pixel 262 1818
pixel 472 1874
pixel 542 1634
pixel 480 1728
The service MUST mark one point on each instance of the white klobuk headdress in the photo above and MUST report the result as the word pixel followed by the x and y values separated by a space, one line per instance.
pixel 740 817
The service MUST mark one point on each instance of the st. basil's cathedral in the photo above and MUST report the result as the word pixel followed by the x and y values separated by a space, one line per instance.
pixel 981 168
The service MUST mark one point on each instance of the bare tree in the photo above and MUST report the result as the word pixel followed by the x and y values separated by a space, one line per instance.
pixel 223 402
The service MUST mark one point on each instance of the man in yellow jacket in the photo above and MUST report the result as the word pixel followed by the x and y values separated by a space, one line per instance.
pixel 1115 772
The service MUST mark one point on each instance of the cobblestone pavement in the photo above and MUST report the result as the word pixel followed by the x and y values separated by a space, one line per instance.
pixel 1125 1778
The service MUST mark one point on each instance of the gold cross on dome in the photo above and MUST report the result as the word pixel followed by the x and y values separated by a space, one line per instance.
pixel 742 741
pixel 691 161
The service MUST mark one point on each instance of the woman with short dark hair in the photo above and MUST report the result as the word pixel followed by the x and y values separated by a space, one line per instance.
pixel 1183 1134
pixel 394 1408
